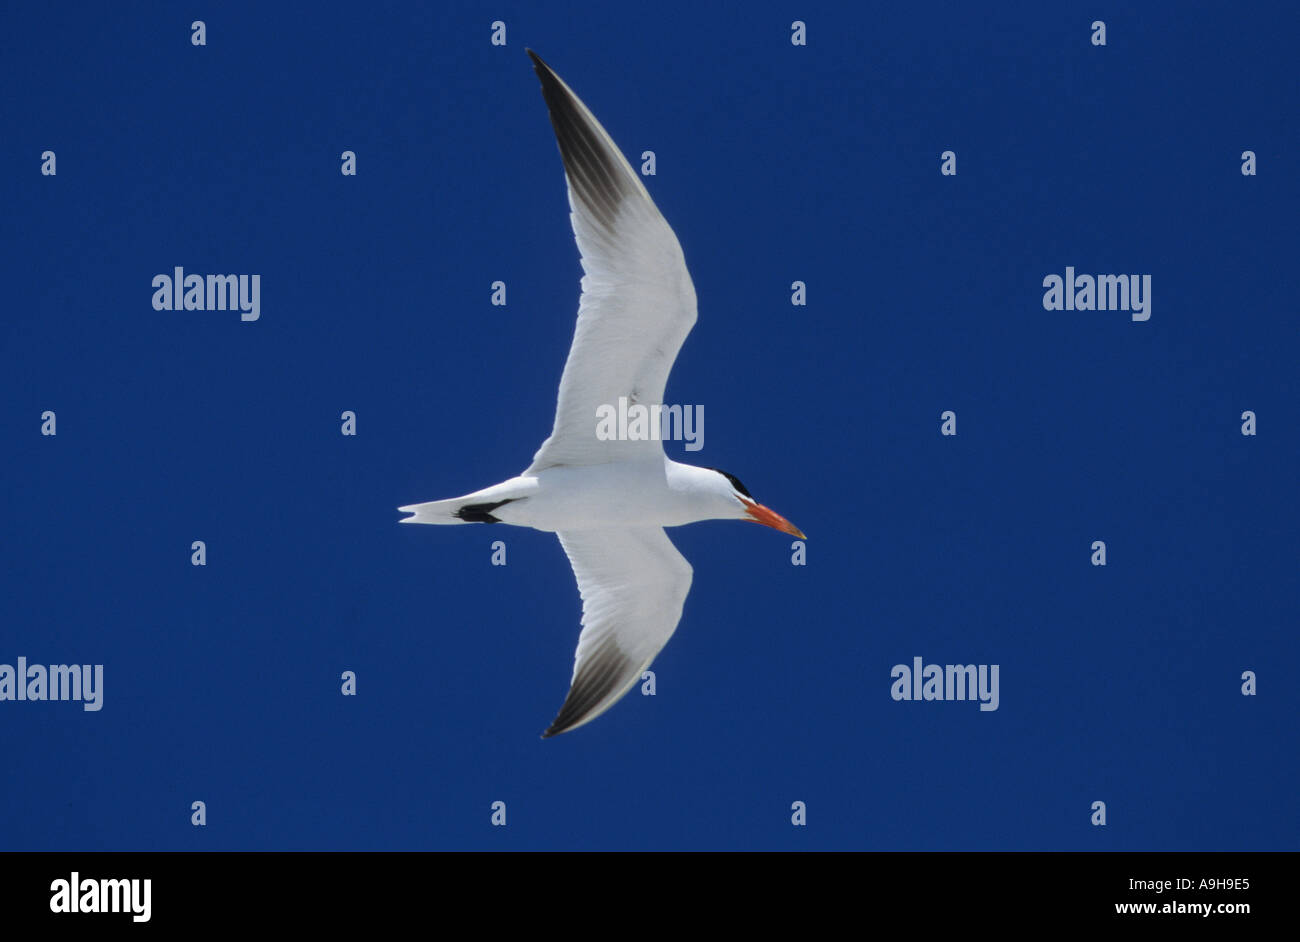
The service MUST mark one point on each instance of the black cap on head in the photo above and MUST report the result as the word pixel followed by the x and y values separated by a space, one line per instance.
pixel 735 482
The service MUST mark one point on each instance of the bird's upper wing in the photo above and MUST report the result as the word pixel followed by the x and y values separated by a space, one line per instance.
pixel 633 583
pixel 638 303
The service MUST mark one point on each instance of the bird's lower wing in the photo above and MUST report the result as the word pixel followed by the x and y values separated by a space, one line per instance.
pixel 633 583
pixel 638 302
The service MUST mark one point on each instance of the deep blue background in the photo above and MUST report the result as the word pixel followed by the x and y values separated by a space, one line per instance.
pixel 775 163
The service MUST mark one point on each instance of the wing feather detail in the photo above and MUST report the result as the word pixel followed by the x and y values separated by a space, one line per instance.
pixel 633 583
pixel 638 301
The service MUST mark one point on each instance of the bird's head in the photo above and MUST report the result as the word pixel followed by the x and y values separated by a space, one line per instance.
pixel 744 506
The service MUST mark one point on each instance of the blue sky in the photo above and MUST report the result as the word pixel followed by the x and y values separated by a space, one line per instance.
pixel 775 163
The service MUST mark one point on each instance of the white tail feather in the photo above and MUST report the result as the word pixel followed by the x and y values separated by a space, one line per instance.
pixel 434 511
pixel 444 511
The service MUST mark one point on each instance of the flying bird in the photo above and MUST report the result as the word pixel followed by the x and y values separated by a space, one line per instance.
pixel 608 501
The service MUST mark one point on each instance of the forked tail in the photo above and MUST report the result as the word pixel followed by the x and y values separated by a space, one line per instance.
pixel 455 510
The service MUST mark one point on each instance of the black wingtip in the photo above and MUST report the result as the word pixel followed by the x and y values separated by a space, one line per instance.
pixel 539 64
pixel 597 174
pixel 552 90
pixel 564 721
pixel 557 726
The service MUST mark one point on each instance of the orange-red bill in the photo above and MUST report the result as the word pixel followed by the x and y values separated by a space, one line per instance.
pixel 770 518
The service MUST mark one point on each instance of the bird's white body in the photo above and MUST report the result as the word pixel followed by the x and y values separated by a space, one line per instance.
pixel 609 500
pixel 656 492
